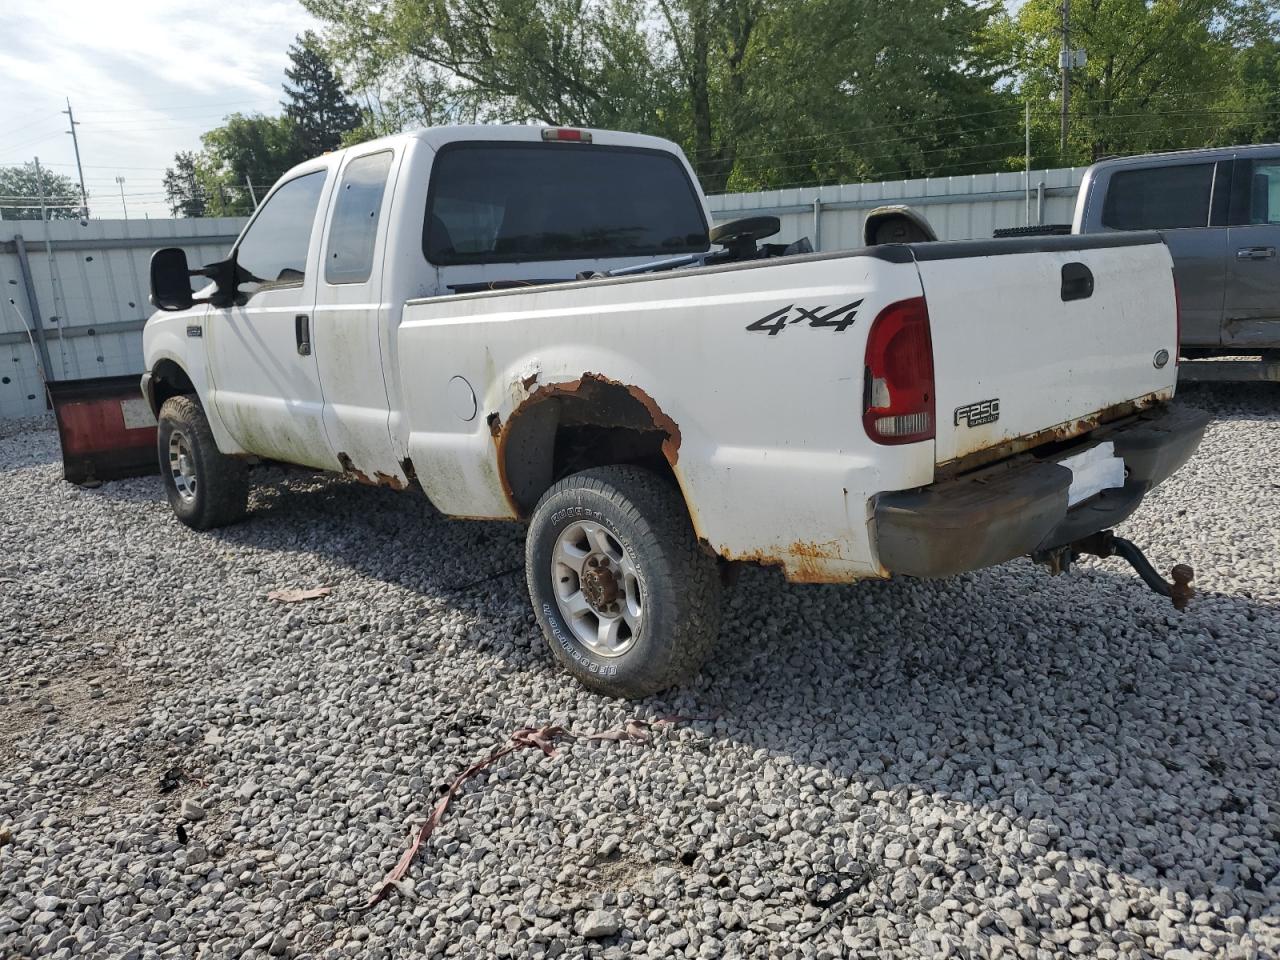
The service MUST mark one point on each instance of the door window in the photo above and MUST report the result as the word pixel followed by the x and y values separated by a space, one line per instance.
pixel 273 251
pixel 355 219
pixel 1159 198
pixel 1264 192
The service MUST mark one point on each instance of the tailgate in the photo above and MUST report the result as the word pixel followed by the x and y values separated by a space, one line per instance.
pixel 1034 338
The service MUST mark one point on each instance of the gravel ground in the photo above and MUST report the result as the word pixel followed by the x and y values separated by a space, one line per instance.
pixel 1001 764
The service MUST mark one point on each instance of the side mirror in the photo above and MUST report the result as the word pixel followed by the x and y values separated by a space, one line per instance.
pixel 170 280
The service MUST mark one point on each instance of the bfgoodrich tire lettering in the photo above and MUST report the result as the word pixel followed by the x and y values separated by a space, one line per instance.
pixel 205 487
pixel 634 523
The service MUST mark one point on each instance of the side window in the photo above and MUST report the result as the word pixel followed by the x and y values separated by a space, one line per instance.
pixel 355 219
pixel 1159 198
pixel 1264 192
pixel 273 252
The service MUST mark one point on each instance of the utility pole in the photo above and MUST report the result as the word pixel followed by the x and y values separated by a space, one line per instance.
pixel 120 180
pixel 84 196
pixel 1064 64
pixel 253 196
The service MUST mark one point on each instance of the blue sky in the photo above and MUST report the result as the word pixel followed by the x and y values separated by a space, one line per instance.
pixel 145 77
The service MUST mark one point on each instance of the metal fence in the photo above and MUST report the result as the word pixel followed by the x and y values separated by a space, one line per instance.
pixel 79 300
pixel 73 299
pixel 960 208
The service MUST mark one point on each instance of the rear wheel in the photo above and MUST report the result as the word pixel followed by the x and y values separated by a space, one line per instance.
pixel 628 602
pixel 205 487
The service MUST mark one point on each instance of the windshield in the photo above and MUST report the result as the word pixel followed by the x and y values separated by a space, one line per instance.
pixel 507 202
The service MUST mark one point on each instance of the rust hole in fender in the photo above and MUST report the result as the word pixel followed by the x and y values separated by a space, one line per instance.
pixel 560 426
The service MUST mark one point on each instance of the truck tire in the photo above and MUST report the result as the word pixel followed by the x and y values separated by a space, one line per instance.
pixel 205 487
pixel 627 600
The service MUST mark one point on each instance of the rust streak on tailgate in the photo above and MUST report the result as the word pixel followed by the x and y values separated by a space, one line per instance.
pixel 1062 431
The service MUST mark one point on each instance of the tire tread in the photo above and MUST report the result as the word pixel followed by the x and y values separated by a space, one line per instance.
pixel 656 510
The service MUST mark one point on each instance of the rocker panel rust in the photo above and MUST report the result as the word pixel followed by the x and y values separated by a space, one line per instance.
pixel 379 479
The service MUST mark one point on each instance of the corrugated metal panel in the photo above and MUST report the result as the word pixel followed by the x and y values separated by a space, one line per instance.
pixel 960 208
pixel 91 287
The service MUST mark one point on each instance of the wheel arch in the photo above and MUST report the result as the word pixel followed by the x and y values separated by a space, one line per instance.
pixel 591 421
pixel 168 379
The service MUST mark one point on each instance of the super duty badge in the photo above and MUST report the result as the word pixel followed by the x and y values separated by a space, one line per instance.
pixel 976 414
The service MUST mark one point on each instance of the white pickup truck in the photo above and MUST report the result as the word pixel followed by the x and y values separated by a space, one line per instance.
pixel 533 324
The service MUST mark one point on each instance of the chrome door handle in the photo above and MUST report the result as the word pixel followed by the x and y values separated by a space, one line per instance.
pixel 1256 253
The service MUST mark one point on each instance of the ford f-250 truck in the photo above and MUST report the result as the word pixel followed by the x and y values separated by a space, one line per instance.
pixel 534 324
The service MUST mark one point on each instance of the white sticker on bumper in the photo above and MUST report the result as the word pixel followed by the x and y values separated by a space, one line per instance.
pixel 1092 471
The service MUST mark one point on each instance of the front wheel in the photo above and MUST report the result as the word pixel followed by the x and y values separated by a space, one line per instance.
pixel 626 598
pixel 205 487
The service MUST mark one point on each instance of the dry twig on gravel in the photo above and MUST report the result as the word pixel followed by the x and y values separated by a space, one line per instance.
pixel 542 738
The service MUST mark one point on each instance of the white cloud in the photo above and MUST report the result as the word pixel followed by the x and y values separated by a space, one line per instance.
pixel 145 79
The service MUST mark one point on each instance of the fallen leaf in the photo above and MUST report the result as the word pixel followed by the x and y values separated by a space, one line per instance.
pixel 294 595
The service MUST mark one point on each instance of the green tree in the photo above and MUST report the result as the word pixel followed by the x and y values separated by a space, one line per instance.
pixel 1161 74
pixel 20 189
pixel 877 89
pixel 321 112
pixel 550 61
pixel 734 81
pixel 1257 90
pixel 247 149
pixel 182 188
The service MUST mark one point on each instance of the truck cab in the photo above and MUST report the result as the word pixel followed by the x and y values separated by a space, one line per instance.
pixel 292 369
pixel 1219 213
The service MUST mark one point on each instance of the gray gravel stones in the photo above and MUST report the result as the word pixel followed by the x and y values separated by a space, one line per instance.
pixel 998 765
pixel 191 810
pixel 599 923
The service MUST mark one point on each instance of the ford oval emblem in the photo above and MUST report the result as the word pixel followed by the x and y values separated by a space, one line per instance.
pixel 1160 359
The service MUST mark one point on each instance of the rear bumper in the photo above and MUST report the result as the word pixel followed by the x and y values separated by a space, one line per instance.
pixel 1018 507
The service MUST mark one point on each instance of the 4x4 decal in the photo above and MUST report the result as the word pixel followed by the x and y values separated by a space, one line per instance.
pixel 841 318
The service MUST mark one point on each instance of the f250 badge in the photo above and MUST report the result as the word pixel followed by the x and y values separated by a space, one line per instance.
pixel 841 318
pixel 976 414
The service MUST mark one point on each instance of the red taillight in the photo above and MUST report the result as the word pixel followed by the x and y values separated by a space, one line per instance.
pixel 898 392
pixel 1177 312
pixel 566 133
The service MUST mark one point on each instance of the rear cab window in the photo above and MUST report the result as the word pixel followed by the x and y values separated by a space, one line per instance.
pixel 1160 198
pixel 507 202
pixel 354 227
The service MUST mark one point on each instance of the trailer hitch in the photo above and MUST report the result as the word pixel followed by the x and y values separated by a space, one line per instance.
pixel 1105 544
